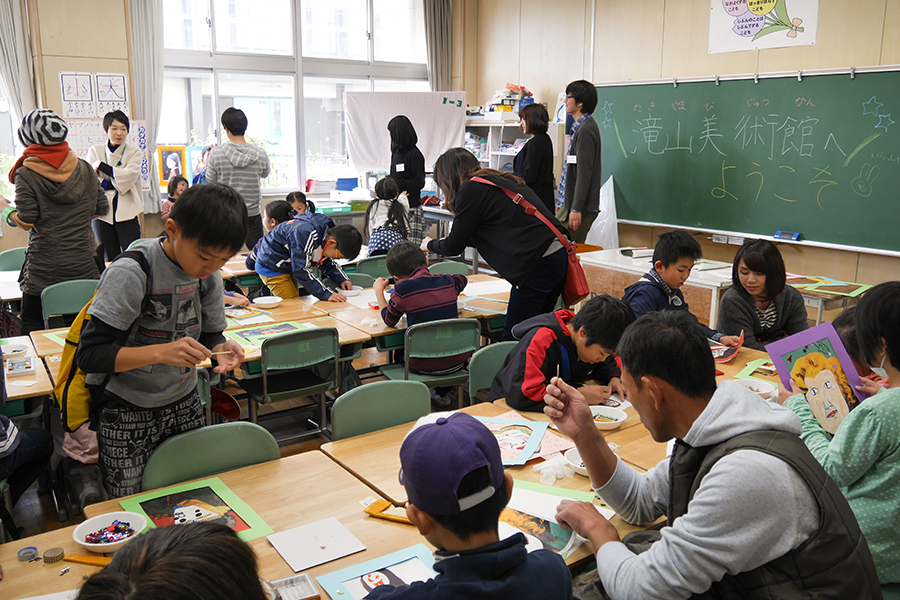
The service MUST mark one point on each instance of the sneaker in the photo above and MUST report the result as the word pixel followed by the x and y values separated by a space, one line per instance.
pixel 90 493
pixel 444 401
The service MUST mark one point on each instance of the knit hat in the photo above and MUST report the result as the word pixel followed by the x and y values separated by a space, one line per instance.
pixel 43 127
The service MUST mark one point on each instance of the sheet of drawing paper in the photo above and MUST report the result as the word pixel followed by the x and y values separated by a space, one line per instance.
pixel 481 288
pixel 315 543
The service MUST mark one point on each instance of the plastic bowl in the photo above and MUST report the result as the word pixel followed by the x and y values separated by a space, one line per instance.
pixel 606 417
pixel 765 389
pixel 267 301
pixel 14 350
pixel 574 460
pixel 353 291
pixel 136 521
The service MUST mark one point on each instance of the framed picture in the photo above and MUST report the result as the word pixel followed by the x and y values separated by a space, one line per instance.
pixel 171 163
pixel 205 500
pixel 816 361
pixel 399 568
pixel 193 166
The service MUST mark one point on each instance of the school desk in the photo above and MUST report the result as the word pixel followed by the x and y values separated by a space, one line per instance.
pixel 286 493
pixel 49 341
pixel 608 272
pixel 40 381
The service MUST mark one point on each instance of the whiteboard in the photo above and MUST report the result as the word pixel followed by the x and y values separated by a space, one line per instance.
pixel 438 117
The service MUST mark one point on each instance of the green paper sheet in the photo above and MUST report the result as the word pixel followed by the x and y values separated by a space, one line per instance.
pixel 554 491
pixel 752 366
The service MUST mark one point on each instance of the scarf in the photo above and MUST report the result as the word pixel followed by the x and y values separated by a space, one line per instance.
pixel 52 155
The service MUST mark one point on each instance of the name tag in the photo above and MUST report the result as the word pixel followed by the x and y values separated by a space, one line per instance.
pixel 400 167
pixel 571 159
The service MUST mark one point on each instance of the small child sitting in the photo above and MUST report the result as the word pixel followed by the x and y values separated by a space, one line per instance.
pixel 276 212
pixel 453 474
pixel 387 217
pixel 177 186
pixel 423 297
pixel 299 203
pixel 287 255
pixel 660 288
pixel 845 326
pixel 577 347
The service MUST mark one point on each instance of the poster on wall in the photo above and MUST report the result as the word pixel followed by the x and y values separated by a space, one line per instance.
pixel 171 163
pixel 736 25
pixel 77 93
pixel 112 93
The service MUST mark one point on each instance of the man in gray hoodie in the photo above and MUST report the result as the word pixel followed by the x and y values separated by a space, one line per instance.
pixel 751 514
pixel 240 165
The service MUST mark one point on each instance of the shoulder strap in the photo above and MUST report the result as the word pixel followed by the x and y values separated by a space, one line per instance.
pixel 139 258
pixel 531 210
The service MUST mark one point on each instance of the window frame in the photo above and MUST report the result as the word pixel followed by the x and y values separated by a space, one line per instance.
pixel 215 62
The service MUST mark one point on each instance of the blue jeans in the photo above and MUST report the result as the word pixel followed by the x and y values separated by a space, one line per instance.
pixel 539 293
pixel 22 467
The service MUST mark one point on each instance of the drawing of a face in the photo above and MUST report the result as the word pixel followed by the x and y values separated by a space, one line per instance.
pixel 826 401
pixel 192 514
pixel 513 438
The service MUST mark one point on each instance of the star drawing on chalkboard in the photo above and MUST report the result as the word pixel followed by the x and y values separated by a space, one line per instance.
pixel 607 123
pixel 871 107
pixel 884 121
pixel 607 107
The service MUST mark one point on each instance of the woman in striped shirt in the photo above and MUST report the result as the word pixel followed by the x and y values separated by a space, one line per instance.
pixel 759 303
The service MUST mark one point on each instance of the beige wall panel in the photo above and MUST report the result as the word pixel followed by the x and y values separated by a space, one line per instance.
pixel 810 260
pixel 874 269
pixel 629 39
pixel 635 235
pixel 552 48
pixel 685 50
pixel 498 47
pixel 54 64
pixel 95 28
pixel 849 35
pixel 890 46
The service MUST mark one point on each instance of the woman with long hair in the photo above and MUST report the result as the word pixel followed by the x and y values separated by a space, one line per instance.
pixel 408 170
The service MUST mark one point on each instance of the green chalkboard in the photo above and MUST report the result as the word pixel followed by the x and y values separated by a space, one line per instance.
pixel 819 156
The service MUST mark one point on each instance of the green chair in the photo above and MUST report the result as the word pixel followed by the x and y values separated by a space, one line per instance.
pixel 449 267
pixel 891 591
pixel 12 259
pixel 375 266
pixel 286 371
pixel 360 279
pixel 485 364
pixel 437 339
pixel 207 451
pixel 378 405
pixel 66 298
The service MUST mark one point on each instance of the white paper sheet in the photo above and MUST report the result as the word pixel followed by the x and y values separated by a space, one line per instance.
pixel 543 505
pixel 315 543
pixel 362 300
pixel 487 287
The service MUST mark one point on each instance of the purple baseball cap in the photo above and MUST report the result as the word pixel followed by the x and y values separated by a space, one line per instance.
pixel 438 452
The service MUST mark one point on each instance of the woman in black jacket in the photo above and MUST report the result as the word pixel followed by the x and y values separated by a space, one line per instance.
pixel 519 246
pixel 408 170
pixel 534 162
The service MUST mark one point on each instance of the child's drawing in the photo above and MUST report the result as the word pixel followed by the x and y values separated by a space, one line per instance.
pixel 761 24
pixel 191 506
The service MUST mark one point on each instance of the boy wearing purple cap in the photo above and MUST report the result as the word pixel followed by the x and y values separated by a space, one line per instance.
pixel 454 478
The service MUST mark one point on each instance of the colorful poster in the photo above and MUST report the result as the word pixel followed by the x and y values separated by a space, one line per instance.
pixel 736 25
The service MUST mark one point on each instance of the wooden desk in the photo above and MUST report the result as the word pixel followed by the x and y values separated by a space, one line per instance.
pixel 41 386
pixel 45 341
pixel 236 267
pixel 608 272
pixel 286 493
pixel 632 420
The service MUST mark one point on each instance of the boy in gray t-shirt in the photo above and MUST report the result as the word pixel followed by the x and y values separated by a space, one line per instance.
pixel 149 330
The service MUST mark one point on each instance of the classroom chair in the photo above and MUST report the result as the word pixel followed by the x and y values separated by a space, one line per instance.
pixel 361 279
pixel 484 365
pixel 437 339
pixel 66 298
pixel 287 372
pixel 378 405
pixel 891 591
pixel 374 266
pixel 449 267
pixel 12 259
pixel 207 451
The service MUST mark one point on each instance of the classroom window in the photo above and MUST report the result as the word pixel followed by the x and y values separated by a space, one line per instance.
pixel 258 27
pixel 335 29
pixel 10 149
pixel 399 31
pixel 323 117
pixel 187 117
pixel 186 24
pixel 401 85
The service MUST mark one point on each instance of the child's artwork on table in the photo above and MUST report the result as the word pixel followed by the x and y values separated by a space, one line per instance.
pixel 816 361
pixel 399 568
pixel 205 500
pixel 532 511
pixel 518 438
pixel 254 336
pixel 756 367
pixel 243 312
pixel 315 543
pixel 722 353
pixel 550 442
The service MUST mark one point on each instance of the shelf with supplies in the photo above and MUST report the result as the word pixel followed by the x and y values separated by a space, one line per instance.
pixel 495 143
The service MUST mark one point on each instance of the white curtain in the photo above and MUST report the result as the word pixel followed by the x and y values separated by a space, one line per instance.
pixel 438 43
pixel 146 25
pixel 15 59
